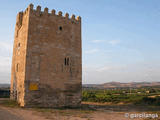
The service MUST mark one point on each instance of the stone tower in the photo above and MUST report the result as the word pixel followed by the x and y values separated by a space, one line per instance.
pixel 47 60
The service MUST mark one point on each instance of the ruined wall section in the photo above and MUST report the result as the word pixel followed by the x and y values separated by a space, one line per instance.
pixel 53 68
pixel 19 58
pixel 13 79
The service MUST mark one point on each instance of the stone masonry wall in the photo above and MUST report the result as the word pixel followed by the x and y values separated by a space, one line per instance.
pixel 19 58
pixel 52 65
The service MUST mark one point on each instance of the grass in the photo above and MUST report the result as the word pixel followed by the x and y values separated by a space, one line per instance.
pixel 8 103
pixel 117 96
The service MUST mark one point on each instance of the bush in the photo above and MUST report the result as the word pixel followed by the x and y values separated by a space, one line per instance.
pixel 149 101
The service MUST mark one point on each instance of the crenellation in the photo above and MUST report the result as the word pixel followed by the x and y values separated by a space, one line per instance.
pixel 31 6
pixel 60 13
pixel 46 10
pixel 19 19
pixel 26 10
pixel 38 12
pixel 66 15
pixel 78 18
pixel 73 17
pixel 53 12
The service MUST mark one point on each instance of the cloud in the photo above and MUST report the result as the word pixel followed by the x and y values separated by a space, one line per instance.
pixel 111 42
pixel 91 51
pixel 98 41
pixel 138 72
pixel 103 68
pixel 5 46
pixel 5 69
pixel 114 42
pixel 5 54
pixel 5 61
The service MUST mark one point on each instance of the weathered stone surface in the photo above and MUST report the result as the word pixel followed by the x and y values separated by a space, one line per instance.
pixel 47 61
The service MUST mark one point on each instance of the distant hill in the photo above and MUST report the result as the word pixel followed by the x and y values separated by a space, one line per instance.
pixel 121 85
pixel 4 85
pixel 111 85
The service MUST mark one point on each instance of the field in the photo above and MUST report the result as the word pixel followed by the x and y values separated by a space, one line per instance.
pixel 136 96
pixel 141 96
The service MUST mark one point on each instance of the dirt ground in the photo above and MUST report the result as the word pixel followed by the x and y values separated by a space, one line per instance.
pixel 87 112
pixel 68 114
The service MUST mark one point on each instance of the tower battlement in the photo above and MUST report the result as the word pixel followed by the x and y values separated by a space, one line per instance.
pixel 45 12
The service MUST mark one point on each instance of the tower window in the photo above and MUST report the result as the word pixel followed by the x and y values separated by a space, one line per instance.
pixel 66 61
pixel 60 28
pixel 17 67
pixel 19 44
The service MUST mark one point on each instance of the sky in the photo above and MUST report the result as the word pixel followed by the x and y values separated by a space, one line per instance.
pixel 120 38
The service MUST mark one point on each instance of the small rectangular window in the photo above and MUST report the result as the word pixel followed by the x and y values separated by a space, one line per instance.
pixel 65 61
pixel 17 67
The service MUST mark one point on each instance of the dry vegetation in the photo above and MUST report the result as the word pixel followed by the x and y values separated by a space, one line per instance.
pixel 87 112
